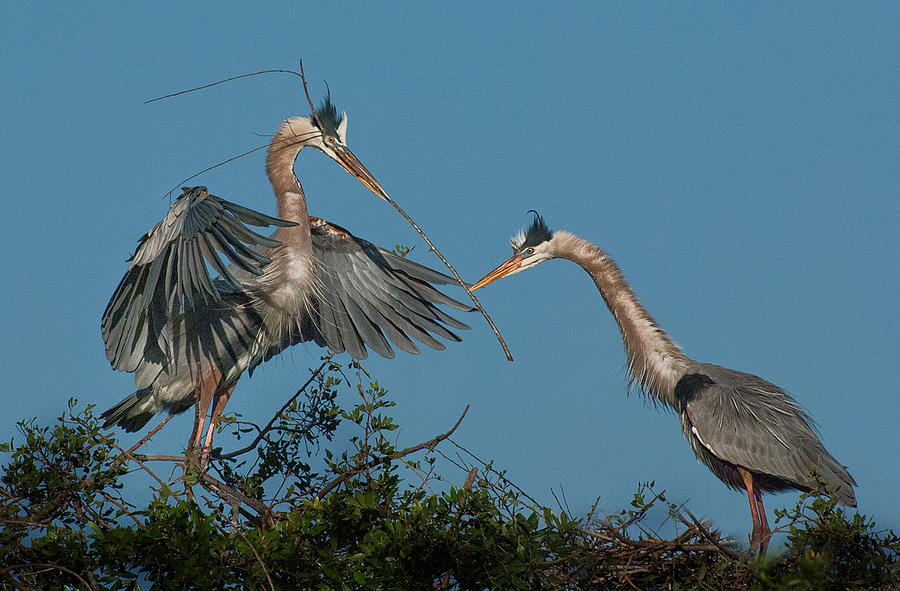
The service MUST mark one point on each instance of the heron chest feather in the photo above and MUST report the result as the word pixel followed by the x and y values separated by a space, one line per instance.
pixel 290 281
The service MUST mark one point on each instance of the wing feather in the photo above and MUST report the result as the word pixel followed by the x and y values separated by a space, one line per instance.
pixel 170 271
pixel 376 298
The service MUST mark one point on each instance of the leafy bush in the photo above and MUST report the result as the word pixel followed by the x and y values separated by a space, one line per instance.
pixel 287 512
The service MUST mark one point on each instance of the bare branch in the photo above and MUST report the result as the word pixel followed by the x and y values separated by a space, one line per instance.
pixel 139 459
pixel 489 468
pixel 123 509
pixel 309 100
pixel 704 531
pixel 459 280
pixel 207 169
pixel 130 451
pixel 430 445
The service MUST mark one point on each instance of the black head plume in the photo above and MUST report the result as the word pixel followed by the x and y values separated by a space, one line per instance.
pixel 535 234
pixel 328 115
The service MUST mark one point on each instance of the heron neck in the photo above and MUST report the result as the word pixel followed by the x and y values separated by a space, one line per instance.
pixel 654 360
pixel 291 200
pixel 289 279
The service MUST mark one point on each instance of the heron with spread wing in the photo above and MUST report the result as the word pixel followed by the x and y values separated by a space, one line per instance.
pixel 750 433
pixel 188 337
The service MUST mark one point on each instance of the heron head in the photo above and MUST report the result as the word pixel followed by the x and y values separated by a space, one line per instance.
pixel 330 137
pixel 531 247
pixel 333 125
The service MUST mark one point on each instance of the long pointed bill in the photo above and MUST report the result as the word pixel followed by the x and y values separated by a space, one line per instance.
pixel 352 165
pixel 507 268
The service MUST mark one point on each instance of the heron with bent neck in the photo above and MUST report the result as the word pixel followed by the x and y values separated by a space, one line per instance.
pixel 749 432
pixel 188 337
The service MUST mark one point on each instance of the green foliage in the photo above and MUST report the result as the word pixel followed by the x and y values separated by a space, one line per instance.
pixel 829 549
pixel 287 512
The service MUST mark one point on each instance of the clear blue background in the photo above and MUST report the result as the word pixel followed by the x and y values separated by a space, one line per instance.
pixel 740 162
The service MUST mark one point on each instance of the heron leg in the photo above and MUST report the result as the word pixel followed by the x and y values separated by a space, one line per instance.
pixel 765 532
pixel 206 391
pixel 760 535
pixel 221 399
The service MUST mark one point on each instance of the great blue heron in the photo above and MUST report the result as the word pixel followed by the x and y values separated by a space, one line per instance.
pixel 189 338
pixel 749 432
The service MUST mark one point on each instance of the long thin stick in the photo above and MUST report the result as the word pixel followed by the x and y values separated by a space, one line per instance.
pixel 459 280
pixel 159 98
pixel 424 237
pixel 233 158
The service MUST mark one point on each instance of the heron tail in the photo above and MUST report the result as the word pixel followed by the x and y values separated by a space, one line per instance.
pixel 130 413
pixel 837 475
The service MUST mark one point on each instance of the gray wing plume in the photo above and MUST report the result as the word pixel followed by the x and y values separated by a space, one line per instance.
pixel 747 421
pixel 169 273
pixel 368 297
pixel 219 337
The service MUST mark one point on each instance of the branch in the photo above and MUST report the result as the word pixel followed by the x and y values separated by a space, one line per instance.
pixel 268 427
pixel 157 458
pixel 123 509
pixel 730 552
pixel 140 459
pixel 130 451
pixel 252 549
pixel 224 491
pixel 309 100
pixel 223 163
pixel 430 445
pixel 416 227
pixel 46 566
pixel 459 280
pixel 489 468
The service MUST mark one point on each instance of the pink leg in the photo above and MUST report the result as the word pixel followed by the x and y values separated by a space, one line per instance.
pixel 759 535
pixel 201 408
pixel 765 532
pixel 221 399
pixel 207 389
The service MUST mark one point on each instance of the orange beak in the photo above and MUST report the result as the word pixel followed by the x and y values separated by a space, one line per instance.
pixel 352 165
pixel 507 268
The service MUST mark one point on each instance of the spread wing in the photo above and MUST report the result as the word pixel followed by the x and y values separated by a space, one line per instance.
pixel 750 422
pixel 169 272
pixel 369 297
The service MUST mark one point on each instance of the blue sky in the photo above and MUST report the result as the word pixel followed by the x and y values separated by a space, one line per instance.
pixel 738 161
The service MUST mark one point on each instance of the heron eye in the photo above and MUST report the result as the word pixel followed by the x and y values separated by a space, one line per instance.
pixel 529 251
pixel 332 140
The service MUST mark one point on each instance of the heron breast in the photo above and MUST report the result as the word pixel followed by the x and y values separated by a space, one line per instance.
pixel 290 284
